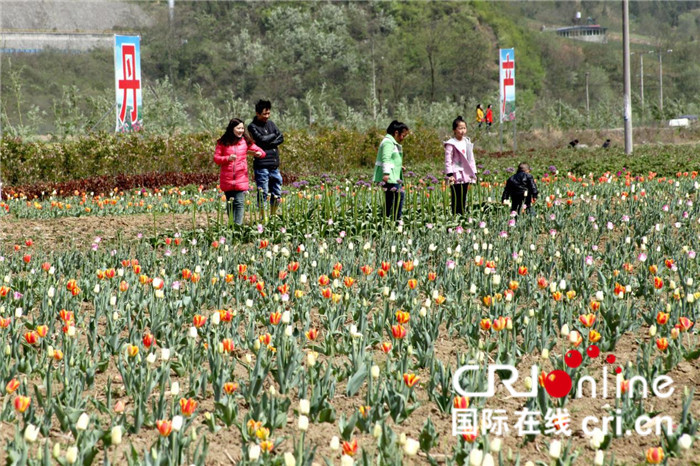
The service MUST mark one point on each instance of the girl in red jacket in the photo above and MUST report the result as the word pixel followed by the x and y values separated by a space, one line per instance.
pixel 230 154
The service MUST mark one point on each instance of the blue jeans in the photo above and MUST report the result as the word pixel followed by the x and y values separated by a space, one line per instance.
pixel 235 205
pixel 394 200
pixel 269 182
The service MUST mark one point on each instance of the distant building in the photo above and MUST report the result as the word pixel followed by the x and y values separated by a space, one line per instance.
pixel 589 33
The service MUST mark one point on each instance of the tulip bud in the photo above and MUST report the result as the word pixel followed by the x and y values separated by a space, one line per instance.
pixel 495 445
pixel 289 330
pixel 272 390
pixel 652 330
pixel 83 422
pixel 599 459
pixel 254 452
pixel 555 449
pixel 72 454
pixel 289 459
pixel 476 457
pixel 685 441
pixel 528 383
pixel 116 435
pixel 346 460
pixel 411 447
pixel 177 423
pixel 303 423
pixel 335 443
pixel 402 438
pixel 377 431
pixel 565 330
pixel 175 388
pixel 375 372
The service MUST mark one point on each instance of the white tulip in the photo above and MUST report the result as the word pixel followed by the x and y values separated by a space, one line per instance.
pixel 685 441
pixel 72 454
pixel 488 460
pixel 164 354
pixel 175 388
pixel 215 318
pixel 304 406
pixel 303 423
pixel 192 333
pixel 289 459
pixel 83 422
pixel 555 449
pixel 495 445
pixel 31 432
pixel 599 459
pixel 116 435
pixel 411 447
pixel 475 457
pixel 254 452
pixel 346 460
pixel 335 443
pixel 177 423
pixel 375 372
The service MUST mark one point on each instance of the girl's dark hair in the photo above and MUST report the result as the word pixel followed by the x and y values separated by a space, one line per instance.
pixel 229 138
pixel 457 121
pixel 395 126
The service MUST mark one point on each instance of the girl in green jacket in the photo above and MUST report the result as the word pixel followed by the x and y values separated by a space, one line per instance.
pixel 389 168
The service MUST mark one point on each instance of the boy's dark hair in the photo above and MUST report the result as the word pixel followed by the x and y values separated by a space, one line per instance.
pixel 523 167
pixel 395 126
pixel 262 105
pixel 456 122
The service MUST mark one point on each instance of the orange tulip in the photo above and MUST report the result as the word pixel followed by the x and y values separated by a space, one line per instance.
pixel 587 320
pixel 386 266
pixel 132 350
pixel 593 336
pixel 653 269
pixel 487 300
pixel 199 320
pixel 264 243
pixel 31 337
pixel 412 283
pixel 5 322
pixel 348 281
pixel 470 434
pixel 227 343
pixel 595 306
pixel 669 263
pixel 461 402
pixel 685 324
pixel 283 289
pixel 408 266
pixel 386 346
pixel 164 427
pixel 662 318
pixel 542 283
pixel 266 446
pixel 557 295
pixel 148 339
pixel 57 355
pixel 22 403
pixel 485 324
pixel 230 387
pixel 499 323
pixel 432 276
pixel 187 406
pixel 225 315
pixel 513 285
pixel 293 266
pixel 312 334
pixel 655 455
pixel 326 293
pixel 440 299
pixel 42 330
pixel 11 386
pixel 275 317
pixel 522 270
pixel 410 379
pixel 265 339
pixel 662 344
pixel 398 331
pixel 323 280
pixel 366 269
pixel 402 317
pixel 350 448
pixel 658 283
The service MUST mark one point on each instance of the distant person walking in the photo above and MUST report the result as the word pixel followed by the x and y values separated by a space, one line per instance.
pixel 489 116
pixel 460 166
pixel 267 174
pixel 389 168
pixel 230 155
pixel 479 115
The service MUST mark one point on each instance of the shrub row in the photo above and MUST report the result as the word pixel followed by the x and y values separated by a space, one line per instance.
pixel 102 157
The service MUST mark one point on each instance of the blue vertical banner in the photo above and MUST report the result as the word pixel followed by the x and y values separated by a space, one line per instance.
pixel 507 84
pixel 127 76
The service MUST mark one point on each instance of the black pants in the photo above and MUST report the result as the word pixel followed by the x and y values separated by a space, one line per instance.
pixel 458 200
pixel 394 196
pixel 517 204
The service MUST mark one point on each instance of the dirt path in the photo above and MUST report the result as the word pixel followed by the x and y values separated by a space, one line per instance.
pixel 81 232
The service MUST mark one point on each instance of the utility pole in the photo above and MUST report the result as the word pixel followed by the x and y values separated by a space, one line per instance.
pixel 641 83
pixel 661 83
pixel 626 71
pixel 588 113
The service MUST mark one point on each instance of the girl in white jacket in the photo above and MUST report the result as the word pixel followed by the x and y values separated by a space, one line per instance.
pixel 460 166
